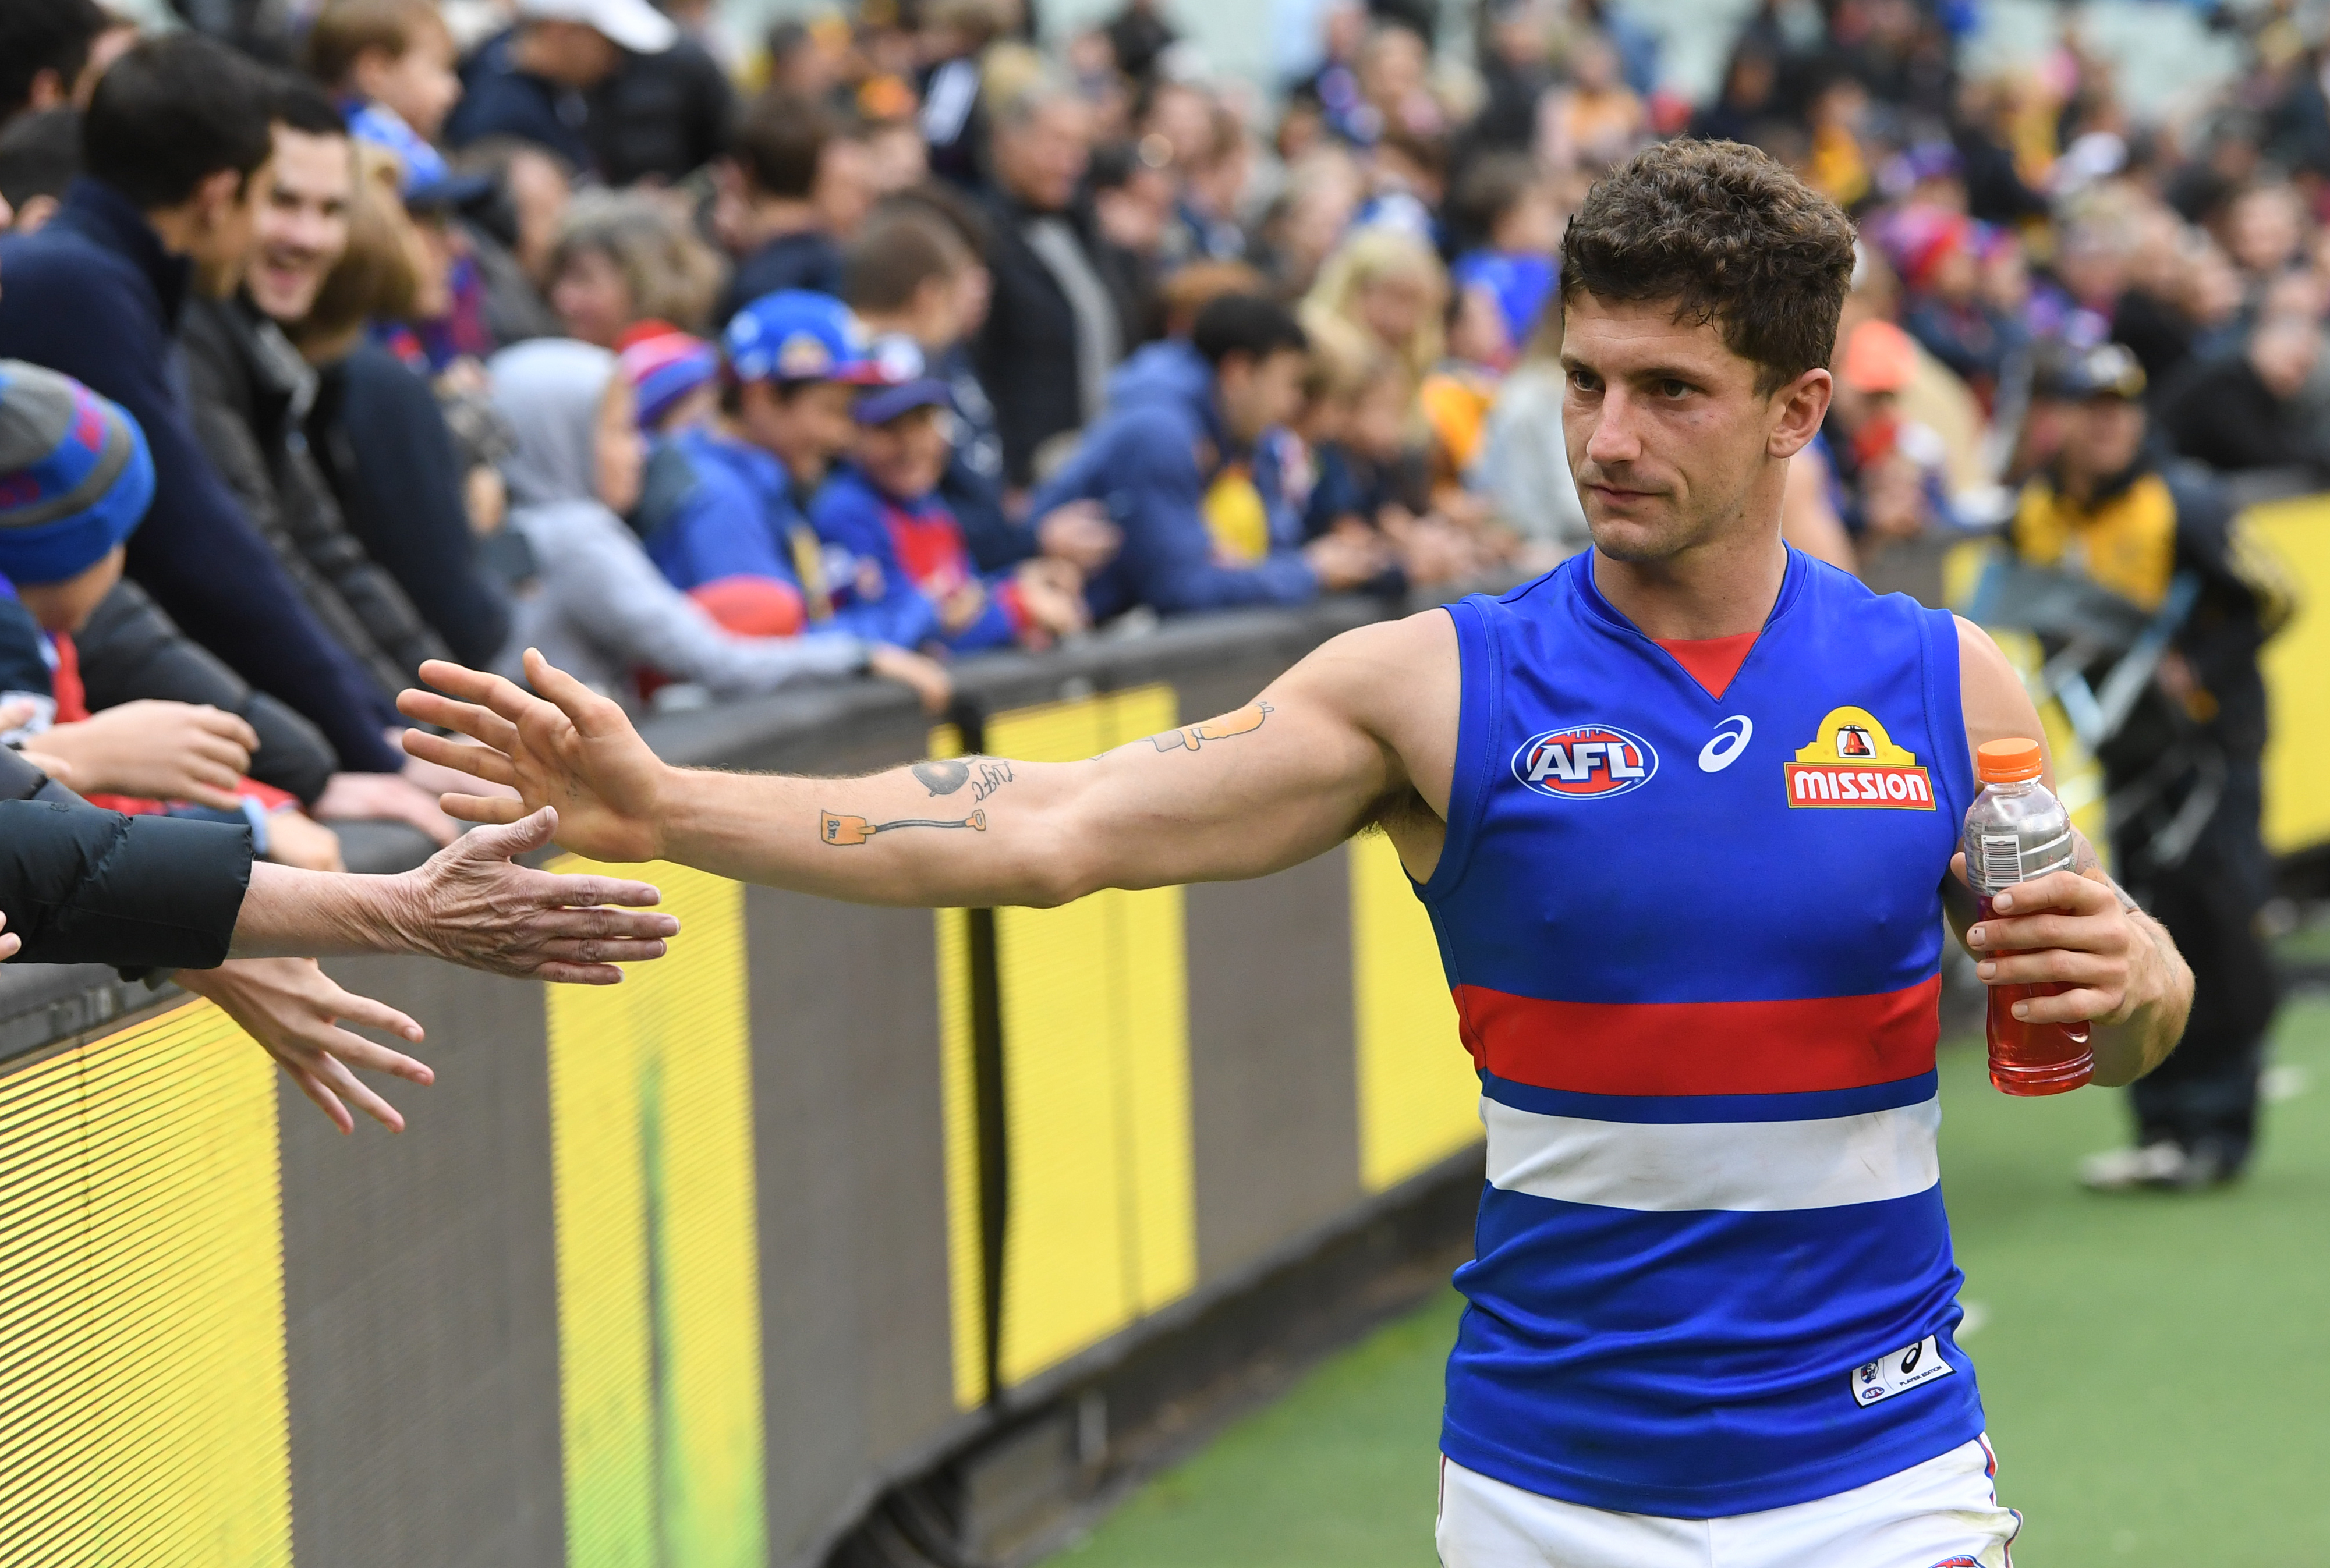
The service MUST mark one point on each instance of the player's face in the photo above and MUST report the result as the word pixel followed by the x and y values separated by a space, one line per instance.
pixel 1669 442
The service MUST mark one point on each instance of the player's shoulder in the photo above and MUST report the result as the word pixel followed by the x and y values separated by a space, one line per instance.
pixel 1982 662
pixel 1388 665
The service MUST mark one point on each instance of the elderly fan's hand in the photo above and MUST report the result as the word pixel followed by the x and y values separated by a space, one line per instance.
pixel 472 904
pixel 576 751
pixel 295 1010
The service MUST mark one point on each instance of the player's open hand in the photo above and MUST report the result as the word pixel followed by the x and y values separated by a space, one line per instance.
pixel 473 904
pixel 569 747
pixel 2065 929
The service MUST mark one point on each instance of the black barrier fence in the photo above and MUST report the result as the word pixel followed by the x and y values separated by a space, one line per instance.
pixel 836 1211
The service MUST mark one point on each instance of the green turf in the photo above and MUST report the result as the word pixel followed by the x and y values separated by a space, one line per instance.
pixel 2154 1366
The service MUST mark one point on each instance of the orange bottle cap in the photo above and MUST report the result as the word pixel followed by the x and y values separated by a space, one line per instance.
pixel 2006 761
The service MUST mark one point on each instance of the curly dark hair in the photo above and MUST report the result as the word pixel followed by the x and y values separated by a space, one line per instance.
pixel 1730 236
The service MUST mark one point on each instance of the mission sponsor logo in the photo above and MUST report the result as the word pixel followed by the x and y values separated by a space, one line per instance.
pixel 1584 762
pixel 1852 761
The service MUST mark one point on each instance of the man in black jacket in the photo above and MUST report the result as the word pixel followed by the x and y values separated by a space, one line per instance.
pixel 176 129
pixel 1063 313
pixel 250 392
pixel 662 116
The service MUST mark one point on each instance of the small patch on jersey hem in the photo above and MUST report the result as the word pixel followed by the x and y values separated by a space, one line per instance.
pixel 1903 1369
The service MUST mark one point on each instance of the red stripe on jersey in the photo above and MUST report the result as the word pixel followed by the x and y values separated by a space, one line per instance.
pixel 1703 1047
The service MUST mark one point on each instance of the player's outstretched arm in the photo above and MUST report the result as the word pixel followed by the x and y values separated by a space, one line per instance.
pixel 1283 779
pixel 2075 927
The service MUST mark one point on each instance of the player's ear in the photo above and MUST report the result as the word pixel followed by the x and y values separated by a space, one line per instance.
pixel 1798 406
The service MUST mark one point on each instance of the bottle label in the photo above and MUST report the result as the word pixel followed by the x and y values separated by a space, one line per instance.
pixel 2003 860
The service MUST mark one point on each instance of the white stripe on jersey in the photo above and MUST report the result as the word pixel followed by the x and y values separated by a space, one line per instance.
pixel 1756 1166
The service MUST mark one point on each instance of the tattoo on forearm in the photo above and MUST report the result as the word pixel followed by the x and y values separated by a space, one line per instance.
pixel 985 775
pixel 844 831
pixel 2087 863
pixel 1244 721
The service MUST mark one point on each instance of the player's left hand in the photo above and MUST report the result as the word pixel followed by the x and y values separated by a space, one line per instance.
pixel 2062 928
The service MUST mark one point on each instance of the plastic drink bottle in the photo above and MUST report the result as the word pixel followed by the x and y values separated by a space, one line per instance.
pixel 2015 831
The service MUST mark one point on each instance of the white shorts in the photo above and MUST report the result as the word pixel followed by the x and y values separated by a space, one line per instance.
pixel 1941 1514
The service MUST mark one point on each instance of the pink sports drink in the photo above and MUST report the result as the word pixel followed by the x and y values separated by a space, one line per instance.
pixel 2017 830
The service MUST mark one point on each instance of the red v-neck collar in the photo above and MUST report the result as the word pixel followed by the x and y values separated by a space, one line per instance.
pixel 1713 661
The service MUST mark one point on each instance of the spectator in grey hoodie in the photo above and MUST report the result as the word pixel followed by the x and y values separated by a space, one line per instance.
pixel 599 607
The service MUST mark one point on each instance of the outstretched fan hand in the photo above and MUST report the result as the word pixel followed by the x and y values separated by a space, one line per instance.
pixel 576 751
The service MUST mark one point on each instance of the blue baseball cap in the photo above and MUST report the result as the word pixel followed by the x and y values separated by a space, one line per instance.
pixel 75 475
pixel 794 335
pixel 896 380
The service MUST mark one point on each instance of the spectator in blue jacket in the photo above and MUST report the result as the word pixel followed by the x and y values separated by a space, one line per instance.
pixel 731 529
pixel 911 274
pixel 1173 462
pixel 177 127
pixel 892 547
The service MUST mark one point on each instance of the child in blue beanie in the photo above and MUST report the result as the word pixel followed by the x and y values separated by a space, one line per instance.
pixel 75 481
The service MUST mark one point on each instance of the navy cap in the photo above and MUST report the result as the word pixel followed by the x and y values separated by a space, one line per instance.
pixel 75 475
pixel 897 381
pixel 794 335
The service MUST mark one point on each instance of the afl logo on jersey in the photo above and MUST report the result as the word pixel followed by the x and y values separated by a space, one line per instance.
pixel 1584 762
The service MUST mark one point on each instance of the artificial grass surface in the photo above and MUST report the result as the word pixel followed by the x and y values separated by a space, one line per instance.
pixel 2154 1366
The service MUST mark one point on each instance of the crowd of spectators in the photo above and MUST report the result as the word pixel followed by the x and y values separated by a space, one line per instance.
pixel 711 363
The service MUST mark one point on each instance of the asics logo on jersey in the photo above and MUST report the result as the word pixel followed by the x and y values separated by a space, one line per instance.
pixel 1717 754
pixel 1852 761
pixel 1584 762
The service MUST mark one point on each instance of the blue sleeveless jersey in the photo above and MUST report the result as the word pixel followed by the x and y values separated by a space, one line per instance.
pixel 1695 946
